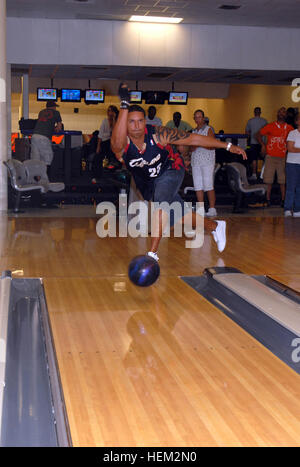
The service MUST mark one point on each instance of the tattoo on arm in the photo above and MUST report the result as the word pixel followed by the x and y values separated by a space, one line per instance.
pixel 169 135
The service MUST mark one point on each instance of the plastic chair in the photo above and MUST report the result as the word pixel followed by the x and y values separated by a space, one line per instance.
pixel 36 172
pixel 238 182
pixel 29 177
pixel 18 180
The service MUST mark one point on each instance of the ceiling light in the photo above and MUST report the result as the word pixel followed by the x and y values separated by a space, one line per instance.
pixel 155 19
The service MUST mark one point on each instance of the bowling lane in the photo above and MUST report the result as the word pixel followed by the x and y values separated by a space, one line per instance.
pixel 66 247
pixel 159 366
pixel 162 367
pixel 290 280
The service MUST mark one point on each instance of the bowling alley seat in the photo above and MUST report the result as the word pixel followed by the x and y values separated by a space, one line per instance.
pixel 29 177
pixel 238 183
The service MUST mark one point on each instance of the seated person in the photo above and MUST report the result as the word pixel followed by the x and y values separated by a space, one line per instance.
pixel 89 149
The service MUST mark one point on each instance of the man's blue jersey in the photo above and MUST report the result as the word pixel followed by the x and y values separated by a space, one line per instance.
pixel 150 162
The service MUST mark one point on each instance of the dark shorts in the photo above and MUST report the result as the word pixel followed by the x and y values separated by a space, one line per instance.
pixel 253 153
pixel 167 185
pixel 166 188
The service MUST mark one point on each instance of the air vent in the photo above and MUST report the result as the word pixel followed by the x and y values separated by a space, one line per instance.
pixel 229 7
pixel 158 75
pixel 235 76
pixel 93 68
pixel 81 2
pixel 241 76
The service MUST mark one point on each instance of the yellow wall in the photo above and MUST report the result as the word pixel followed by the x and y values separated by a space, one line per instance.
pixel 229 114
pixel 242 99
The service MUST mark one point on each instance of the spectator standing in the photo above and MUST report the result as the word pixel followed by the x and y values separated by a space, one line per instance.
pixel 253 126
pixel 275 151
pixel 203 165
pixel 178 123
pixel 106 129
pixel 48 122
pixel 291 117
pixel 292 197
pixel 151 119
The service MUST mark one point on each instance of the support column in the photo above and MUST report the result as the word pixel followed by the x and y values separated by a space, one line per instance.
pixel 3 108
pixel 8 108
pixel 25 96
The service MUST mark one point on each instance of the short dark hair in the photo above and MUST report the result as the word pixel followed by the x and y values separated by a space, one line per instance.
pixel 199 110
pixel 114 109
pixel 51 104
pixel 136 108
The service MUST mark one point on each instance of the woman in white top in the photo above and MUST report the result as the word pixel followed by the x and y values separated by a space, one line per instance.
pixel 292 195
pixel 107 126
pixel 103 146
pixel 203 165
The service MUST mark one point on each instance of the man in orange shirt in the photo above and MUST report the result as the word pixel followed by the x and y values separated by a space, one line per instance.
pixel 275 151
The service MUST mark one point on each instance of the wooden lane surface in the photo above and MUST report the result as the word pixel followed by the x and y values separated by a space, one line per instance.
pixel 290 280
pixel 163 367
pixel 160 366
pixel 70 247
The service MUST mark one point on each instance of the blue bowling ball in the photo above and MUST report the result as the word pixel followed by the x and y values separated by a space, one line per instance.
pixel 143 270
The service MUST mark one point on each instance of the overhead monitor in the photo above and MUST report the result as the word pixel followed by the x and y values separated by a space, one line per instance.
pixel 47 94
pixel 135 97
pixel 93 96
pixel 155 97
pixel 70 95
pixel 178 98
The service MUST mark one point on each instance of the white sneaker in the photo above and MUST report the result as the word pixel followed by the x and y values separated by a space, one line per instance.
pixel 296 214
pixel 190 234
pixel 211 212
pixel 287 213
pixel 220 235
pixel 153 255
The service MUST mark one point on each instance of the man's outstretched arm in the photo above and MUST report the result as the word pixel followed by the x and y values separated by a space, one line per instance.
pixel 164 136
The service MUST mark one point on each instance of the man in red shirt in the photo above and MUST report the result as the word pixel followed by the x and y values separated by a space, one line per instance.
pixel 275 151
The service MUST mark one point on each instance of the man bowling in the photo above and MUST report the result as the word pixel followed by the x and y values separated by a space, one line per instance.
pixel 157 169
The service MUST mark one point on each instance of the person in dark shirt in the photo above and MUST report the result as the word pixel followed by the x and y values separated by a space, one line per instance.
pixel 49 122
pixel 291 114
pixel 157 169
